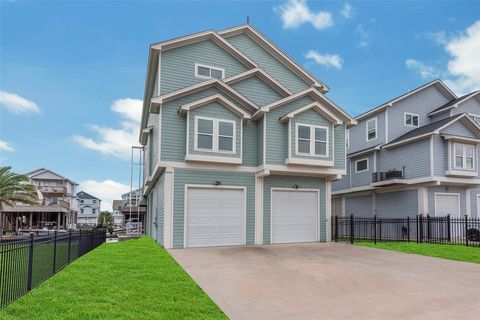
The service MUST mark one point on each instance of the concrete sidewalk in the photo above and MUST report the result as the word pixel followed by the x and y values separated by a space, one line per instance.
pixel 333 281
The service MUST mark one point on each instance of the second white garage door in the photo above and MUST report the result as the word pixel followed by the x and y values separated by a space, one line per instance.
pixel 214 216
pixel 294 216
pixel 447 204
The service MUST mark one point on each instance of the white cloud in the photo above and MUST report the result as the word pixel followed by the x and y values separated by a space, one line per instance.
pixel 462 73
pixel 17 104
pixel 363 36
pixel 116 142
pixel 421 68
pixel 347 11
pixel 6 147
pixel 296 12
pixel 107 191
pixel 327 60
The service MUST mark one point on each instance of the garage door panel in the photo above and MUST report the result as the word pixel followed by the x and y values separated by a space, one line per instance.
pixel 294 216
pixel 215 217
pixel 447 204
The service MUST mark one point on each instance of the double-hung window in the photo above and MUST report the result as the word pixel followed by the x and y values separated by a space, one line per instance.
pixel 312 140
pixel 361 165
pixel 371 128
pixel 464 156
pixel 214 135
pixel 207 72
pixel 411 120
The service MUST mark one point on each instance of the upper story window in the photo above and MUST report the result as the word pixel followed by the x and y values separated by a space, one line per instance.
pixel 312 140
pixel 464 156
pixel 94 201
pixel 81 201
pixel 94 211
pixel 411 120
pixel 214 135
pixel 361 165
pixel 207 72
pixel 371 128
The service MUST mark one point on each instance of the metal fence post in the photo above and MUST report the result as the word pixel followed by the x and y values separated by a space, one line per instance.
pixel 466 230
pixel 336 228
pixel 91 241
pixel 449 235
pixel 69 244
pixel 375 229
pixel 428 228
pixel 79 250
pixel 408 229
pixel 421 228
pixel 352 229
pixel 30 263
pixel 54 251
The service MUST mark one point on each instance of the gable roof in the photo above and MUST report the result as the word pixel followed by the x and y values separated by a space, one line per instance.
pixel 431 128
pixel 454 103
pixel 437 83
pixel 317 96
pixel 276 52
pixel 316 107
pixel 34 173
pixel 261 74
pixel 84 195
pixel 184 109
pixel 199 87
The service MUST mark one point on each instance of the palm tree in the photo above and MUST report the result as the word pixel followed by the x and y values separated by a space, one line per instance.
pixel 105 218
pixel 15 188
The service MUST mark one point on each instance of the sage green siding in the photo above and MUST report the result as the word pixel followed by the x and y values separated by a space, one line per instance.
pixel 186 176
pixel 270 64
pixel 218 111
pixel 314 118
pixel 340 150
pixel 250 133
pixel 159 192
pixel 178 65
pixel 287 182
pixel 174 125
pixel 277 132
pixel 260 142
pixel 257 91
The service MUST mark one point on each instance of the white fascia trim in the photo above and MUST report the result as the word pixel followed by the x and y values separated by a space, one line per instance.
pixel 315 94
pixel 411 114
pixel 277 86
pixel 144 135
pixel 259 184
pixel 202 36
pixel 460 173
pixel 201 86
pixel 216 159
pixel 270 47
pixel 352 190
pixel 316 107
pixel 406 141
pixel 406 95
pixel 301 169
pixel 460 139
pixel 214 98
pixel 309 162
pixel 363 152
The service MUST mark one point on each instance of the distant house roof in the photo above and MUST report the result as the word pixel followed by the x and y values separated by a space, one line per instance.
pixel 429 129
pixel 453 103
pixel 34 173
pixel 84 195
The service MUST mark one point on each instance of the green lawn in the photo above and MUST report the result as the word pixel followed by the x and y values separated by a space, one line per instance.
pixel 135 279
pixel 445 251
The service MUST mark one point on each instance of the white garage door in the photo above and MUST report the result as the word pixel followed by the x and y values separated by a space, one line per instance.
pixel 214 217
pixel 447 203
pixel 294 216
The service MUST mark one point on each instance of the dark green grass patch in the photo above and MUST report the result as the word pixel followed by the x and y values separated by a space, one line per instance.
pixel 445 251
pixel 135 279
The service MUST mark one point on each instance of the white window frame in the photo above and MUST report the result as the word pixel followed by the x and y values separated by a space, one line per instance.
pixel 312 140
pixel 464 156
pixel 347 138
pixel 413 115
pixel 209 67
pixel 365 170
pixel 215 135
pixel 376 129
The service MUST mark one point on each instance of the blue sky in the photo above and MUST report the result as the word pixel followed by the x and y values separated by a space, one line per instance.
pixel 72 73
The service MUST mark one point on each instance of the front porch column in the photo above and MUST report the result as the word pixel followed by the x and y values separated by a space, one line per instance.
pixel 30 222
pixel 328 210
pixel 59 216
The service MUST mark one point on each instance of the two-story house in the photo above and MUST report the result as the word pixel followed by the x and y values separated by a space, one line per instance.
pixel 89 208
pixel 416 154
pixel 240 141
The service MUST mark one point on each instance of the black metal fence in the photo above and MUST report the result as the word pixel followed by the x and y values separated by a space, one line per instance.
pixel 442 230
pixel 27 262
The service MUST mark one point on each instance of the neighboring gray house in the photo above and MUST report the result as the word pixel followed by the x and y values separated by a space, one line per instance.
pixel 89 209
pixel 241 143
pixel 416 154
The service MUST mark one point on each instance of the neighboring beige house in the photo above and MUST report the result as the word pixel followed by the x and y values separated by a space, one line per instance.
pixel 57 205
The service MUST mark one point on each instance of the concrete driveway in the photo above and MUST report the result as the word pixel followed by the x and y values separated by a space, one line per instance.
pixel 333 281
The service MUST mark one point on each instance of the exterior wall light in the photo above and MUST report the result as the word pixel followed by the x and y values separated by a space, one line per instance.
pixel 295 186
pixel 217 183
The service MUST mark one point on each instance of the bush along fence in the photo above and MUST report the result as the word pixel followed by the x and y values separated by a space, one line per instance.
pixel 27 262
pixel 442 230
